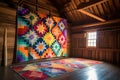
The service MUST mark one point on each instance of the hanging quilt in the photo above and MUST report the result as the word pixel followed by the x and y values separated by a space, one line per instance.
pixel 40 36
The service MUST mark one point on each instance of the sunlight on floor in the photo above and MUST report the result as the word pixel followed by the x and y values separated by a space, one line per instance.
pixel 92 75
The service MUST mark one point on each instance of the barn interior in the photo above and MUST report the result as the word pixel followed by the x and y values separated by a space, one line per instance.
pixel 91 29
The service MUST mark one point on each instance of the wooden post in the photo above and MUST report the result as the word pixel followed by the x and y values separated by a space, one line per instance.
pixel 5 47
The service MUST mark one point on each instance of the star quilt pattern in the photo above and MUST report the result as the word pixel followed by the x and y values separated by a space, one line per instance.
pixel 40 36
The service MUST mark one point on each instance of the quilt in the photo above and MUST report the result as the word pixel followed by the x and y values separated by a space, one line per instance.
pixel 40 36
pixel 49 69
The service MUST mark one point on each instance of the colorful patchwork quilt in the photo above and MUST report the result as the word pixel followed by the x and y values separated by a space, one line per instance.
pixel 40 36
pixel 48 69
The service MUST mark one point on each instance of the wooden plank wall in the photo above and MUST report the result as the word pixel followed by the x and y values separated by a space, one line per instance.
pixel 108 46
pixel 68 39
pixel 1 42
pixel 10 41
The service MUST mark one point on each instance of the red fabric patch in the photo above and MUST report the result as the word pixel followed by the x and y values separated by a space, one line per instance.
pixel 34 75
pixel 22 31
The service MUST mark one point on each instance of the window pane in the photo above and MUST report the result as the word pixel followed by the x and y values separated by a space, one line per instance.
pixel 89 37
pixel 92 44
pixel 94 36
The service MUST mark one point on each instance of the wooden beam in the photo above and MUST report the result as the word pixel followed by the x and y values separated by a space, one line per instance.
pixel 96 24
pixel 92 15
pixel 83 6
pixel 90 4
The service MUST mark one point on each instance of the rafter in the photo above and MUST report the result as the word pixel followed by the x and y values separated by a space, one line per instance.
pixel 92 15
pixel 90 4
pixel 84 6
pixel 96 24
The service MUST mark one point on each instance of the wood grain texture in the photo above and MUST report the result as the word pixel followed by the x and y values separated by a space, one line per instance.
pixel 90 4
pixel 108 46
pixel 101 24
pixel 10 41
pixel 92 15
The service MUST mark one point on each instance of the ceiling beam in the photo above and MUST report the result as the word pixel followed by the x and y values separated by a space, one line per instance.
pixel 86 5
pixel 92 15
pixel 90 4
pixel 96 24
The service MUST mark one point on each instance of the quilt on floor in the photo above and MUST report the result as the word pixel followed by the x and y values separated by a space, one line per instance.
pixel 44 70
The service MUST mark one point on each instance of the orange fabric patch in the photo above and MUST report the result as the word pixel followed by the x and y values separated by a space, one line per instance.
pixel 24 50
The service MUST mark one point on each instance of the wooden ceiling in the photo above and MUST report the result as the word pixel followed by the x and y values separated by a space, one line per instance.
pixel 79 12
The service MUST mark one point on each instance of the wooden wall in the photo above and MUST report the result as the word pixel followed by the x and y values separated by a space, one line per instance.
pixel 10 41
pixel 7 20
pixel 69 38
pixel 108 46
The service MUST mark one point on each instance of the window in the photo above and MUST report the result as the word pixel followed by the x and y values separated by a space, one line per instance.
pixel 91 39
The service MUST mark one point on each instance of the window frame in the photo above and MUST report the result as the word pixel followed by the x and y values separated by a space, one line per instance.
pixel 89 39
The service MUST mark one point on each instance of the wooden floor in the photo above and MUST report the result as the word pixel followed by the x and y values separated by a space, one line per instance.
pixel 103 71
